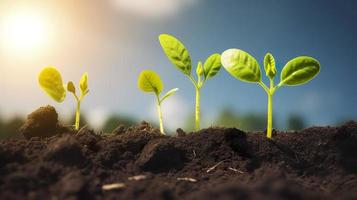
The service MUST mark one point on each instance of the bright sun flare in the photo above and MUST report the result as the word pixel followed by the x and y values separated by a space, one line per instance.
pixel 23 31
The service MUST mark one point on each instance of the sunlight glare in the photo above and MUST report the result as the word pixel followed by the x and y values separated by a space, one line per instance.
pixel 23 31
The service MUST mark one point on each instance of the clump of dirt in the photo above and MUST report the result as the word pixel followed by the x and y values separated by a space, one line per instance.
pixel 215 163
pixel 119 150
pixel 66 150
pixel 160 151
pixel 43 122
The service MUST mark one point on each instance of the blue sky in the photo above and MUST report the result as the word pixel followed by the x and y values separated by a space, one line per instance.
pixel 114 40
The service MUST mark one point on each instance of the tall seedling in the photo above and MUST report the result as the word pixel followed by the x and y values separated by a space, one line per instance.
pixel 150 81
pixel 179 56
pixel 244 67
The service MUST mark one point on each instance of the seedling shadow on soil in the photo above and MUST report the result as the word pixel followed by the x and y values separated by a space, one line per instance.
pixel 215 163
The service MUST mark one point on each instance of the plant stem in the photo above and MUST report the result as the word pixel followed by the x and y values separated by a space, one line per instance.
pixel 270 116
pixel 78 115
pixel 160 118
pixel 197 109
pixel 270 109
pixel 159 112
pixel 266 89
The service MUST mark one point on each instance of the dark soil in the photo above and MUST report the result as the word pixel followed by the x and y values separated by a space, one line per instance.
pixel 214 163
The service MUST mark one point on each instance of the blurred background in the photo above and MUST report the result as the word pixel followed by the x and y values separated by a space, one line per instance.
pixel 113 40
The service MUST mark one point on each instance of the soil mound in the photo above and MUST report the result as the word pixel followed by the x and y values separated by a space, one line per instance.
pixel 42 123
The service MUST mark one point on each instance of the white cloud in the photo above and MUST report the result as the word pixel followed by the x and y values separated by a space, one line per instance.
pixel 153 8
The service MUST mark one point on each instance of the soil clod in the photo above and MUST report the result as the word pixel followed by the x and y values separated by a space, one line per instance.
pixel 66 151
pixel 180 132
pixel 161 155
pixel 42 123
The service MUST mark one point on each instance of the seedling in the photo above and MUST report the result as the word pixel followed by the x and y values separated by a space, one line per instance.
pixel 50 80
pixel 150 81
pixel 179 56
pixel 244 67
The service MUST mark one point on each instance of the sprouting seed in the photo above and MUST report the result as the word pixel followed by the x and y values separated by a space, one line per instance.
pixel 150 81
pixel 50 80
pixel 244 67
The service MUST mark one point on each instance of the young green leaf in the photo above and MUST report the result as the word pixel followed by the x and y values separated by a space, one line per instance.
pixel 241 65
pixel 176 52
pixel 71 88
pixel 212 66
pixel 269 65
pixel 168 94
pixel 199 69
pixel 150 81
pixel 50 81
pixel 299 70
pixel 83 84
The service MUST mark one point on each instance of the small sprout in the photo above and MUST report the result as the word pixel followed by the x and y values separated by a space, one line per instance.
pixel 150 81
pixel 179 56
pixel 50 80
pixel 244 67
pixel 83 85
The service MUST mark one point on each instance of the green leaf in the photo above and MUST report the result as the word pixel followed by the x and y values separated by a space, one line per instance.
pixel 149 81
pixel 199 69
pixel 168 94
pixel 50 81
pixel 83 83
pixel 241 65
pixel 70 87
pixel 176 52
pixel 269 65
pixel 299 70
pixel 212 65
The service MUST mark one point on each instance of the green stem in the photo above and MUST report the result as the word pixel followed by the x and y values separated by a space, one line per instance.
pixel 270 109
pixel 197 110
pixel 160 118
pixel 192 80
pixel 78 115
pixel 159 112
pixel 266 89
pixel 270 116
pixel 278 86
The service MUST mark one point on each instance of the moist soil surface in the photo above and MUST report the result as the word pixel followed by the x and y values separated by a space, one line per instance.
pixel 215 163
